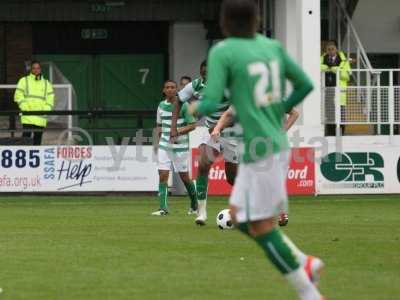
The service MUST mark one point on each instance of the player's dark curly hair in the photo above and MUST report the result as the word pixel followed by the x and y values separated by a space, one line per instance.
pixel 185 77
pixel 239 18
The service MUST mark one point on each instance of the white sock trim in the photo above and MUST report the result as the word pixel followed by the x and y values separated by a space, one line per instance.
pixel 301 257
pixel 303 286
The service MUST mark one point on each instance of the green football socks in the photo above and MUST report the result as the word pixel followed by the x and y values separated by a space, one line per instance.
pixel 191 189
pixel 278 251
pixel 163 196
pixel 202 187
pixel 244 228
pixel 286 256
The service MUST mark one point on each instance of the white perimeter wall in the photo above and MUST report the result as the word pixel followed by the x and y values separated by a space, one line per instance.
pixel 297 26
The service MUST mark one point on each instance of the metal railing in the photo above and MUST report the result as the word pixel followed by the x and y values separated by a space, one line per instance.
pixel 72 118
pixel 371 98
pixel 61 91
pixel 74 135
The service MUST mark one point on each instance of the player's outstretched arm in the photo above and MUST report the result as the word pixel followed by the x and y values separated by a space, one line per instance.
pixel 302 84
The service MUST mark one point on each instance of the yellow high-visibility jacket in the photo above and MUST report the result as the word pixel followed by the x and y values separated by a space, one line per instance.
pixel 34 95
pixel 344 73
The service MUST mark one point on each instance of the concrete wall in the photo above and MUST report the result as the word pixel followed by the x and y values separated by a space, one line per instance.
pixel 188 48
pixel 297 26
pixel 286 21
pixel 378 25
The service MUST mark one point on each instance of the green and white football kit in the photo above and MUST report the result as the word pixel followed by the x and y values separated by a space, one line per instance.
pixel 256 83
pixel 254 70
pixel 174 155
pixel 271 187
pixel 226 146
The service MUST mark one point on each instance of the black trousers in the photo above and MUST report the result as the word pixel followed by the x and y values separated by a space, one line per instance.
pixel 330 129
pixel 37 135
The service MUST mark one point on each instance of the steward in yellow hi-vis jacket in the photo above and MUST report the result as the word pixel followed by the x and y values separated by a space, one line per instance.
pixel 34 93
pixel 332 61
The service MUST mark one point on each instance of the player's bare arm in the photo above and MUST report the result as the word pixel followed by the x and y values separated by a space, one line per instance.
pixel 292 117
pixel 223 122
pixel 186 129
pixel 157 136
pixel 175 113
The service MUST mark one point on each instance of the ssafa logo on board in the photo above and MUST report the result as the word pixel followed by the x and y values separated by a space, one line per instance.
pixel 69 166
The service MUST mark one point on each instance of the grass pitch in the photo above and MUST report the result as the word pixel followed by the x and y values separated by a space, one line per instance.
pixel 111 248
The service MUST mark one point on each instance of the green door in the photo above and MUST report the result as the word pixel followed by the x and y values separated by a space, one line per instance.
pixel 113 82
pixel 78 69
pixel 131 82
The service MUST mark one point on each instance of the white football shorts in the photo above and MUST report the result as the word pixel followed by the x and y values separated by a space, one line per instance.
pixel 178 160
pixel 260 188
pixel 228 147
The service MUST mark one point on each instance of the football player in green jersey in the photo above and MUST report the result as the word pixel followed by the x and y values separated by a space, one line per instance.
pixel 209 148
pixel 174 155
pixel 254 69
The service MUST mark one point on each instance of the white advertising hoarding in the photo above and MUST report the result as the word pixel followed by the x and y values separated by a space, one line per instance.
pixel 352 170
pixel 77 168
pixel 359 170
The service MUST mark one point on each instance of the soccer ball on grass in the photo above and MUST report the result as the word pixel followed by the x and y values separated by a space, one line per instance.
pixel 224 220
